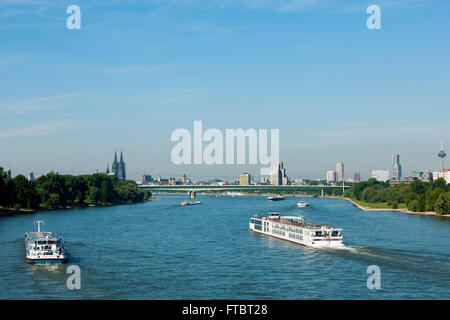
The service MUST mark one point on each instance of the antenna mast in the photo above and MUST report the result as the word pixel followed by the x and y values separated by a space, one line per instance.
pixel 39 224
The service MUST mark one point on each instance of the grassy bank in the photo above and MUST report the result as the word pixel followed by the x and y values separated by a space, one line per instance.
pixel 379 205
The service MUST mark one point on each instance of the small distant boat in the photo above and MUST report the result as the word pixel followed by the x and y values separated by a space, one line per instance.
pixel 277 198
pixel 230 193
pixel 44 247
pixel 190 203
pixel 302 204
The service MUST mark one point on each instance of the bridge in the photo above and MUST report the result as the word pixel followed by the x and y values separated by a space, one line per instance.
pixel 318 189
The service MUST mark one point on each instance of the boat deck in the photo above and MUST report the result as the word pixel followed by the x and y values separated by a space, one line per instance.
pixel 291 222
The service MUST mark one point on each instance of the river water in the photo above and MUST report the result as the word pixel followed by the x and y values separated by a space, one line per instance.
pixel 161 250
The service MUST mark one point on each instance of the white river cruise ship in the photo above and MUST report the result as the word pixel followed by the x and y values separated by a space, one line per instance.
pixel 295 229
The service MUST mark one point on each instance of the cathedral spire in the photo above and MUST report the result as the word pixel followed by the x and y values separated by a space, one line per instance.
pixel 121 168
pixel 115 166
pixel 115 157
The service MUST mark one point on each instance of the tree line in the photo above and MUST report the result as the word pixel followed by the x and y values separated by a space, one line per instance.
pixel 54 190
pixel 419 196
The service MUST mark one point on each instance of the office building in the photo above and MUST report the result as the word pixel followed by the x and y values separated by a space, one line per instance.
pixel 339 172
pixel 357 177
pixel 278 176
pixel 445 174
pixel 396 167
pixel 244 179
pixel 331 176
pixel 146 179
pixel 380 175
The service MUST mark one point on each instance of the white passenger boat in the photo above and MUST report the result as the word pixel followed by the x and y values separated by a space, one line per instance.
pixel 44 247
pixel 277 198
pixel 190 203
pixel 302 204
pixel 296 229
pixel 234 194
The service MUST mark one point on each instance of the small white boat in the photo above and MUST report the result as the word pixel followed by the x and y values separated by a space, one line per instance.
pixel 190 203
pixel 44 247
pixel 302 204
pixel 277 198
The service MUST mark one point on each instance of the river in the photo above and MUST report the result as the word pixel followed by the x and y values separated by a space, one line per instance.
pixel 161 250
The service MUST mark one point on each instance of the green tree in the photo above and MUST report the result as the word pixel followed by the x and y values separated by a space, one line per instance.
pixel 442 205
pixel 394 204
pixel 93 195
pixel 417 187
pixel 106 191
pixel 413 205
pixel 52 201
pixel 431 196
pixel 25 193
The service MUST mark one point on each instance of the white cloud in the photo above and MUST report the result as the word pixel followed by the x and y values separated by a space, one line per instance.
pixel 38 103
pixel 32 131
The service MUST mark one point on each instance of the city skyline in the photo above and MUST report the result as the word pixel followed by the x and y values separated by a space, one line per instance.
pixel 335 90
pixel 278 170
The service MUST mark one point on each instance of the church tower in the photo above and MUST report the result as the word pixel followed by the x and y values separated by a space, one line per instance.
pixel 121 168
pixel 115 166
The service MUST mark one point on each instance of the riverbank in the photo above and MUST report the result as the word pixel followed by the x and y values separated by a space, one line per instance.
pixel 15 211
pixel 8 211
pixel 365 208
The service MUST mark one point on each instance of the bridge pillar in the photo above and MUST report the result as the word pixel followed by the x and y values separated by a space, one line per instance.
pixel 192 194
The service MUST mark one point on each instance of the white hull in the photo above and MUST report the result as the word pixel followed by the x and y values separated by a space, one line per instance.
pixel 188 203
pixel 302 204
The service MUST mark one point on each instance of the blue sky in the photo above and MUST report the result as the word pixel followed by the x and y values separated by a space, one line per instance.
pixel 137 70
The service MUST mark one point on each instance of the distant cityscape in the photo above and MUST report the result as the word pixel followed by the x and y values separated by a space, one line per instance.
pixel 279 176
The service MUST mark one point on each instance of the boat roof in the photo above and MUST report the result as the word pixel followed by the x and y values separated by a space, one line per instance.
pixel 292 220
pixel 40 235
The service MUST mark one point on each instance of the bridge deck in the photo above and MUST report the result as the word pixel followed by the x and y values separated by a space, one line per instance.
pixel 237 188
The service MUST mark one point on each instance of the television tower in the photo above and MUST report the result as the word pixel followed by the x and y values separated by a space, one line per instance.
pixel 442 155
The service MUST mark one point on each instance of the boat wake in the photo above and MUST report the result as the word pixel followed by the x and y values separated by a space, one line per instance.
pixel 395 258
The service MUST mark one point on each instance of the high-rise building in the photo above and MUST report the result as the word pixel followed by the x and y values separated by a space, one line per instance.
pixel 278 176
pixel 331 176
pixel 396 166
pixel 146 179
pixel 31 176
pixel 8 173
pixel 118 168
pixel 245 179
pixel 357 176
pixel 380 175
pixel 339 172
